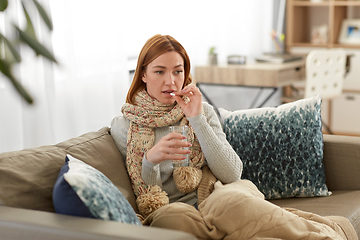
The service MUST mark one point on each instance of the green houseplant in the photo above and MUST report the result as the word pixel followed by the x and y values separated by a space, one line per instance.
pixel 212 58
pixel 9 53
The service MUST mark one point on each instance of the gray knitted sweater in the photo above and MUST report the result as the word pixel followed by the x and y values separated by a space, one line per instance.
pixel 220 157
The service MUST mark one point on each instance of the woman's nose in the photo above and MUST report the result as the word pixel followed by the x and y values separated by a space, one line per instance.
pixel 170 79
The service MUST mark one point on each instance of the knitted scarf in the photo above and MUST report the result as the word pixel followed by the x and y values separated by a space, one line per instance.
pixel 144 116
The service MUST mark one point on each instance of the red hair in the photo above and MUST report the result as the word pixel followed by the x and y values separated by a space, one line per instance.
pixel 153 48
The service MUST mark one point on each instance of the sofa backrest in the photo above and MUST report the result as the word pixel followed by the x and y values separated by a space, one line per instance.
pixel 342 162
pixel 27 177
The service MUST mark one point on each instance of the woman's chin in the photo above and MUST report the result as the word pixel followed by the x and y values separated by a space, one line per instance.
pixel 167 101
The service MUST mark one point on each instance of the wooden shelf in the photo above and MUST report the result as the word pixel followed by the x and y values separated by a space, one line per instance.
pixel 309 45
pixel 326 3
pixel 304 15
pixel 345 46
pixel 312 4
pixel 346 3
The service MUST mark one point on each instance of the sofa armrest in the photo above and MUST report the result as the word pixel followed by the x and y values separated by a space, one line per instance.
pixel 18 223
pixel 342 162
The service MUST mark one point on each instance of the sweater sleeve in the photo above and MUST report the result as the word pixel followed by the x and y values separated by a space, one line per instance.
pixel 151 173
pixel 119 130
pixel 223 161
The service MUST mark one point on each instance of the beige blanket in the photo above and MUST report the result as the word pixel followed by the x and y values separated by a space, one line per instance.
pixel 239 211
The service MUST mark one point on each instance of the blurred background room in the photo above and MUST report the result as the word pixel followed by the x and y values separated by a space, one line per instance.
pixel 96 44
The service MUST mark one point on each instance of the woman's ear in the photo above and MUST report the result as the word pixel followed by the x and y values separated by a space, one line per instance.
pixel 143 78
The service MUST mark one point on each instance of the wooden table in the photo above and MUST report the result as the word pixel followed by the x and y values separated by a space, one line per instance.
pixel 263 75
pixel 255 74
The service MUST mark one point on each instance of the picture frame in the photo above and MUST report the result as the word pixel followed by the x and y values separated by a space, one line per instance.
pixel 350 32
pixel 319 34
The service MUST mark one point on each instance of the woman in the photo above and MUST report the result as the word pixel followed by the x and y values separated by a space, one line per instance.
pixel 164 67
pixel 161 95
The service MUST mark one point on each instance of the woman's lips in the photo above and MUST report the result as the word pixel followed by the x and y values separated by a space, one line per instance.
pixel 170 92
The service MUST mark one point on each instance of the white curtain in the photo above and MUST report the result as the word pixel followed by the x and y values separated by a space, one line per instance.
pixel 94 42
pixel 22 125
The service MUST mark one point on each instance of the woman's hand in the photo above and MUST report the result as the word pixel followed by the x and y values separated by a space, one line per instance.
pixel 168 148
pixel 194 106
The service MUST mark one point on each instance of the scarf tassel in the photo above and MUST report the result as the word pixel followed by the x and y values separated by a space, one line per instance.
pixel 151 201
pixel 187 179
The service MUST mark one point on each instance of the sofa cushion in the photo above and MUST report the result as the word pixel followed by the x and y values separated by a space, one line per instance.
pixel 27 177
pixel 281 147
pixel 81 190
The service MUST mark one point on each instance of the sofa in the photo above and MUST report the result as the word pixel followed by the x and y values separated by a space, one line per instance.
pixel 27 179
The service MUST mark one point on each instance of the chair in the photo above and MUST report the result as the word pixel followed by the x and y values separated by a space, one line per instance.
pixel 325 74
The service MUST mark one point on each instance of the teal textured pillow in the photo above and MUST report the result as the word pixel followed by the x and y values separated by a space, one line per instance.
pixel 81 190
pixel 281 147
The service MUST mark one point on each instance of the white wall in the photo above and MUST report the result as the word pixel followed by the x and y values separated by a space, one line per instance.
pixel 232 26
pixel 93 40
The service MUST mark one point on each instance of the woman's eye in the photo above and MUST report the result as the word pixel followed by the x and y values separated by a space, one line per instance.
pixel 178 72
pixel 159 72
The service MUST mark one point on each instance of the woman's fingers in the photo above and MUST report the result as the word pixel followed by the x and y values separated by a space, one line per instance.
pixel 176 143
pixel 194 106
pixel 170 147
pixel 174 135
pixel 189 91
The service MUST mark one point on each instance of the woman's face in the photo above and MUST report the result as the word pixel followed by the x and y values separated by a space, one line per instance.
pixel 165 75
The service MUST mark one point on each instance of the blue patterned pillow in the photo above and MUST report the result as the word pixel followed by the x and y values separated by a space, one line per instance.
pixel 81 190
pixel 281 147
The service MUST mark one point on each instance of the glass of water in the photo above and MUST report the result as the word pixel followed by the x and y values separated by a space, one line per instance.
pixel 183 130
